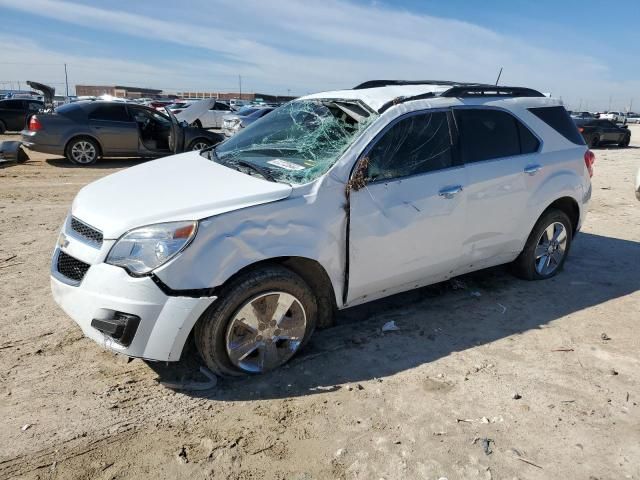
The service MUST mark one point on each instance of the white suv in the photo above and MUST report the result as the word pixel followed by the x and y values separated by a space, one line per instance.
pixel 330 201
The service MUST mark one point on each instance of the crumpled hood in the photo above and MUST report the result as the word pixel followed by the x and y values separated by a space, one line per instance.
pixel 180 187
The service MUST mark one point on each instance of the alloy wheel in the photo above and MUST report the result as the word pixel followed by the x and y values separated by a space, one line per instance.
pixel 265 332
pixel 83 152
pixel 551 249
pixel 199 146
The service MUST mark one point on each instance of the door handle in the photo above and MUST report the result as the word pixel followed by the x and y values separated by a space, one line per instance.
pixel 450 192
pixel 532 169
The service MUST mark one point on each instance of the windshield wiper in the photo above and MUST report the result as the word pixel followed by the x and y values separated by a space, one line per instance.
pixel 262 171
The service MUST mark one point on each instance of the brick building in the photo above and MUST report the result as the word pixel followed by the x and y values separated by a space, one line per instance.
pixel 116 91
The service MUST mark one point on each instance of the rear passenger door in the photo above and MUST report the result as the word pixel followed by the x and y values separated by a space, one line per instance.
pixel 406 224
pixel 111 125
pixel 498 151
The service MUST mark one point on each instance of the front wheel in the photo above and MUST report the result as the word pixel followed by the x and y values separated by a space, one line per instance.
pixel 594 141
pixel 259 321
pixel 547 247
pixel 82 151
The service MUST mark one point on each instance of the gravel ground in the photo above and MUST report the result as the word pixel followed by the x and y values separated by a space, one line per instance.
pixel 528 380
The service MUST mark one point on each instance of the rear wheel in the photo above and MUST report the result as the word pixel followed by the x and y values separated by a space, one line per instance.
pixel 259 321
pixel 82 151
pixel 594 141
pixel 197 123
pixel 199 144
pixel 3 127
pixel 625 141
pixel 547 247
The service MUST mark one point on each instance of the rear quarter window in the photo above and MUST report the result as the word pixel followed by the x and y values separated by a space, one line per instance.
pixel 558 118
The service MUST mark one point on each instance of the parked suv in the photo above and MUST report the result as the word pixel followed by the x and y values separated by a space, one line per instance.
pixel 14 113
pixel 332 200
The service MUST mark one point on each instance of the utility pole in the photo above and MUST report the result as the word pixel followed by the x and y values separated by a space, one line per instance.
pixel 609 103
pixel 66 80
pixel 630 105
pixel 240 85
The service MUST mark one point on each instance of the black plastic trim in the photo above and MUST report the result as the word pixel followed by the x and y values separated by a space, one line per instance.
pixel 461 91
pixel 192 293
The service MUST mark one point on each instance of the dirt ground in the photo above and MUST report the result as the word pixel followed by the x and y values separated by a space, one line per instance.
pixel 528 380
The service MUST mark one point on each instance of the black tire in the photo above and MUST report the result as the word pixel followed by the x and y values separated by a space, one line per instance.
pixel 3 127
pixel 200 143
pixel 525 265
pixel 197 123
pixel 211 329
pixel 625 142
pixel 594 141
pixel 78 142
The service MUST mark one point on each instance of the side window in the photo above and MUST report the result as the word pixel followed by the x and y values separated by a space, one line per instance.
pixel 34 106
pixel 13 104
pixel 528 142
pixel 222 106
pixel 414 145
pixel 558 119
pixel 111 112
pixel 487 134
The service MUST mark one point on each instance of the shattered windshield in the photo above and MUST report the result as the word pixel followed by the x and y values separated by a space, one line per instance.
pixel 297 142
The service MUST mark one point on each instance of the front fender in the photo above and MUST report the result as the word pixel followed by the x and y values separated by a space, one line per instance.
pixel 309 226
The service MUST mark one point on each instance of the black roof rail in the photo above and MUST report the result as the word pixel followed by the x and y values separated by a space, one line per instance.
pixel 460 91
pixel 387 83
pixel 399 100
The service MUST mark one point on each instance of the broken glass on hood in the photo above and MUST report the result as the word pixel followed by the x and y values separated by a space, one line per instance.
pixel 297 142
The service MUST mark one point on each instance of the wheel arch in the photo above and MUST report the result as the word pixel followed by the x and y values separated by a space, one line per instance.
pixel 568 205
pixel 76 136
pixel 311 271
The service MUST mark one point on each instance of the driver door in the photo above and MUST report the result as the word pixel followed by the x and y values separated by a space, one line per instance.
pixel 407 222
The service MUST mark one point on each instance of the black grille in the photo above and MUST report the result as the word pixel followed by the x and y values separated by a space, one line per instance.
pixel 86 232
pixel 70 267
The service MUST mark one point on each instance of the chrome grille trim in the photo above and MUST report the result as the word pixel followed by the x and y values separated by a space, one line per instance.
pixel 85 232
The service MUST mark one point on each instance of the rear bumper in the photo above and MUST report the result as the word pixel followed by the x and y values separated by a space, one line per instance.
pixel 164 322
pixel 34 141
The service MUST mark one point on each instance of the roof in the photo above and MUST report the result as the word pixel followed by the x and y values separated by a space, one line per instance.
pixel 382 97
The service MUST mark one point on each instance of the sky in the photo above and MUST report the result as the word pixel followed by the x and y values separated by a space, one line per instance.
pixel 582 51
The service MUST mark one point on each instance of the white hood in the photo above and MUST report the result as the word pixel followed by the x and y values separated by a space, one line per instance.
pixel 181 187
pixel 194 111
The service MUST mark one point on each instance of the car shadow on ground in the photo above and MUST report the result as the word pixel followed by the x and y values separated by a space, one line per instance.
pixel 434 322
pixel 103 163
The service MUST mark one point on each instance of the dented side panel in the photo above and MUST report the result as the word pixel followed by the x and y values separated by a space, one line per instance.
pixel 309 224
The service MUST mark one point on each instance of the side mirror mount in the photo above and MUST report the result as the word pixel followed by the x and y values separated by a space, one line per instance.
pixel 359 177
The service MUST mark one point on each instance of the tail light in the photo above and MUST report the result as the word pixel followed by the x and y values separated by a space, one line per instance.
pixel 589 160
pixel 580 129
pixel 34 124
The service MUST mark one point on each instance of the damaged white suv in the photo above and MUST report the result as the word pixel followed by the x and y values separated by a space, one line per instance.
pixel 332 200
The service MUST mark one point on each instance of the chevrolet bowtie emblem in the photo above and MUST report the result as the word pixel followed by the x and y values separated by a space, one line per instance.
pixel 63 241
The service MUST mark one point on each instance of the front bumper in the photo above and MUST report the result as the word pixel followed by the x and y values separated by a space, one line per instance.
pixel 106 292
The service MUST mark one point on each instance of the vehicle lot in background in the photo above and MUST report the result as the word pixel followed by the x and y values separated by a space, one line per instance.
pixel 405 404
pixel 85 131
pixel 599 132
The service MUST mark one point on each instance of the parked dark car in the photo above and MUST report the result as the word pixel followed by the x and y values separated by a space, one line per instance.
pixel 14 113
pixel 85 131
pixel 598 132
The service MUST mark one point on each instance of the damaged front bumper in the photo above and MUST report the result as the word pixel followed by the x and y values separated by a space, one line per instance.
pixel 128 315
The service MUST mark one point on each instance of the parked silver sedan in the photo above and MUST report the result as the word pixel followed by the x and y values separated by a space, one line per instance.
pixel 232 124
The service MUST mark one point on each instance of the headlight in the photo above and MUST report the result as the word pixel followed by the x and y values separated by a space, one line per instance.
pixel 144 249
